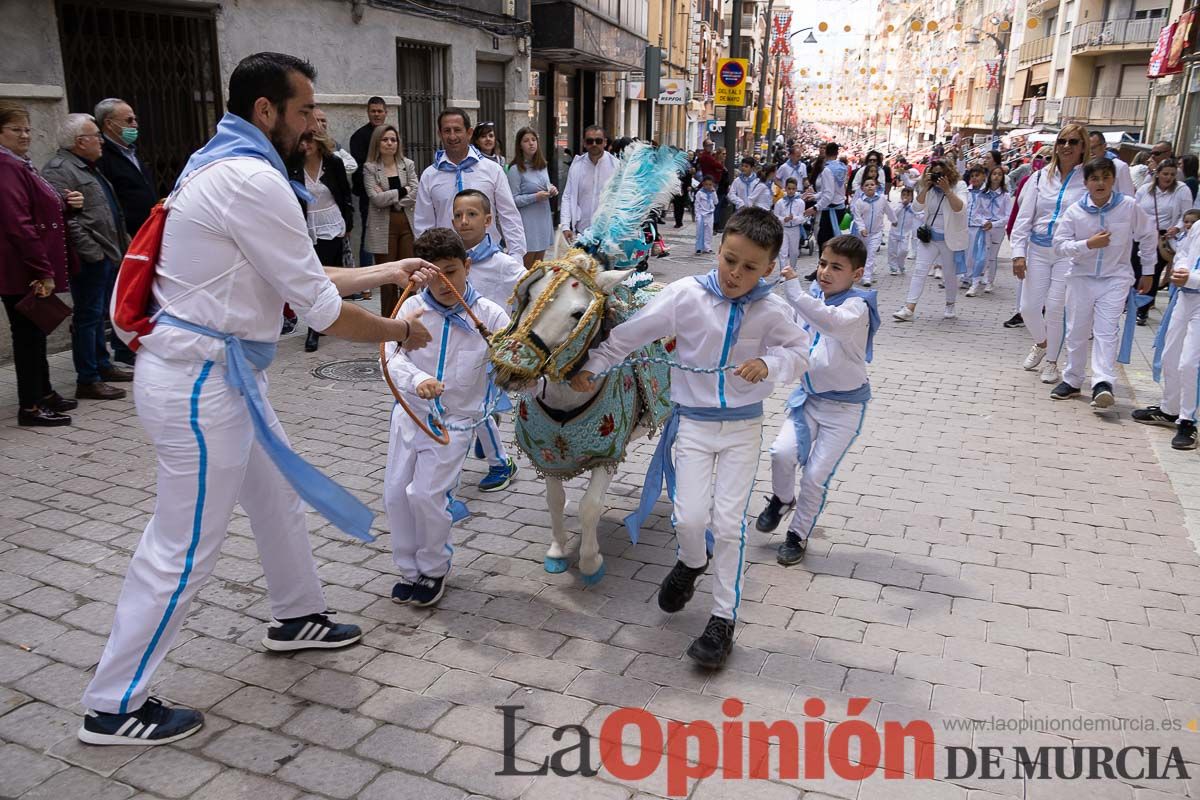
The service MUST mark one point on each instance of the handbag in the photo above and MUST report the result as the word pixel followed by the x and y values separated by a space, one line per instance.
pixel 45 312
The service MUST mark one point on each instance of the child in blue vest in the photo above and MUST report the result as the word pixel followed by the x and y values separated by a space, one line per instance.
pixel 827 409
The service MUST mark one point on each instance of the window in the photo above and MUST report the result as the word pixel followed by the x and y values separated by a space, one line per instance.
pixel 421 82
pixel 1150 13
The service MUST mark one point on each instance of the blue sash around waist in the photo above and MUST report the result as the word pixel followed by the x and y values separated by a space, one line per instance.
pixel 801 395
pixel 242 358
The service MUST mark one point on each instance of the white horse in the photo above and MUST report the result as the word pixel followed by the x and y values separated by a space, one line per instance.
pixel 554 313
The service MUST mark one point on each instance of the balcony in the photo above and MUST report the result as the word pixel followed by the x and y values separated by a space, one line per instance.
pixel 1032 112
pixel 1111 35
pixel 1105 110
pixel 1036 51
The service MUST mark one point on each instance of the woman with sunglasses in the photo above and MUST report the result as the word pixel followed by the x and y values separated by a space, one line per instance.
pixel 941 205
pixel 1165 199
pixel 485 141
pixel 1044 199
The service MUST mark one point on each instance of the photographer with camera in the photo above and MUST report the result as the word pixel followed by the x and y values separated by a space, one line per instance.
pixel 1046 196
pixel 942 238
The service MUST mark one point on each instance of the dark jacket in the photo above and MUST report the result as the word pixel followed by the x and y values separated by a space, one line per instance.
pixel 360 142
pixel 33 234
pixel 333 175
pixel 134 187
pixel 96 231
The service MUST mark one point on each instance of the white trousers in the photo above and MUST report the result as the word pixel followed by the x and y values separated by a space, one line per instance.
pixel 872 243
pixel 1094 307
pixel 1181 358
pixel 208 460
pixel 1020 291
pixel 834 427
pixel 897 250
pixel 715 463
pixel 418 486
pixel 704 232
pixel 930 254
pixel 1045 288
pixel 790 252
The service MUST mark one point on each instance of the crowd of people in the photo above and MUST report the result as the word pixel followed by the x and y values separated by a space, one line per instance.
pixel 270 203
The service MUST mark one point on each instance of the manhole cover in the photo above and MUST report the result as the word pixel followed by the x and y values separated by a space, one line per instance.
pixel 359 369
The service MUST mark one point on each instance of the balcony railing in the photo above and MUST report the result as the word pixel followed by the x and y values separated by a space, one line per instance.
pixel 1036 50
pixel 1116 33
pixel 1029 116
pixel 1105 110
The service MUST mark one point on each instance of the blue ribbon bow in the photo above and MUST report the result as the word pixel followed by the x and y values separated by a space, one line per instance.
pixel 242 358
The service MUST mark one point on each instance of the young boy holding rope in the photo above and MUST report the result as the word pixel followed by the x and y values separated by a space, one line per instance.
pixel 734 341
pixel 451 376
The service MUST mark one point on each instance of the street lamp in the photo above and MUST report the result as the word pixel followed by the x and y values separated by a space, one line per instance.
pixel 1005 26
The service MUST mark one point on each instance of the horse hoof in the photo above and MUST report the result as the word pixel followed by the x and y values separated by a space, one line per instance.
pixel 555 565
pixel 594 578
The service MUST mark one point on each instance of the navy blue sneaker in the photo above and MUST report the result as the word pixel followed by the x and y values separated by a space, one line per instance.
pixel 427 591
pixel 153 723
pixel 498 478
pixel 402 592
pixel 314 632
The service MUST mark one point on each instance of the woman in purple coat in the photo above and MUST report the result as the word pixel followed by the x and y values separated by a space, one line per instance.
pixel 33 257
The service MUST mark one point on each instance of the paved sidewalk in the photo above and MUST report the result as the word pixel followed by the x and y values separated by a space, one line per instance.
pixel 983 554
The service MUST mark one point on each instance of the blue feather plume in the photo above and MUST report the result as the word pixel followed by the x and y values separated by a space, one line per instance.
pixel 646 177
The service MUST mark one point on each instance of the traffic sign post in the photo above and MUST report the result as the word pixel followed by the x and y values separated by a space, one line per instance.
pixel 731 82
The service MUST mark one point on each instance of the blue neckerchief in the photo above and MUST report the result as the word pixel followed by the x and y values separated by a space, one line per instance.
pixel 662 465
pixel 712 284
pixel 330 500
pixel 1087 205
pixel 237 138
pixel 870 198
pixel 838 170
pixel 868 296
pixel 482 251
pixel 452 314
pixel 443 164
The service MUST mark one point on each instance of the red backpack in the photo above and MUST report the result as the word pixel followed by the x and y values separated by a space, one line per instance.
pixel 134 291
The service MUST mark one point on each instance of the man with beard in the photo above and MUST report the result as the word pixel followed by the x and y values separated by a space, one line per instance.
pixel 234 249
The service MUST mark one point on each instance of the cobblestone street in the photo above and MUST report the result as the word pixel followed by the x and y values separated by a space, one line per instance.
pixel 983 554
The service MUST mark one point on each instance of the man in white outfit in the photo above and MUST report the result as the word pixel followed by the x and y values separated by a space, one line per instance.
pixel 1098 148
pixel 794 167
pixel 586 179
pixel 235 247
pixel 458 166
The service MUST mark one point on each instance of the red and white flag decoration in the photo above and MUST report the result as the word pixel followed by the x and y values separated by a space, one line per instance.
pixel 993 72
pixel 782 24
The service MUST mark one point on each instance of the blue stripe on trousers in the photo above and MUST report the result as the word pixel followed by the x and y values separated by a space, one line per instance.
pixel 197 518
pixel 832 472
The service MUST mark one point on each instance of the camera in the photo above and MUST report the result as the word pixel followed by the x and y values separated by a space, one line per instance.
pixel 936 175
pixel 925 234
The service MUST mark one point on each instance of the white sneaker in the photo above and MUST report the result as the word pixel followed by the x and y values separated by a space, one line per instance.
pixel 949 313
pixel 905 314
pixel 1050 373
pixel 937 273
pixel 987 288
pixel 866 283
pixel 1036 354
pixel 973 291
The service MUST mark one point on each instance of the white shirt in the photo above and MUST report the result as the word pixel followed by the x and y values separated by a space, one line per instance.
pixel 456 357
pixel 947 221
pixel 750 191
pixel 1126 222
pixel 495 277
pixel 838 361
pixel 1171 205
pixel 1187 254
pixel 325 220
pixel 910 177
pixel 705 203
pixel 585 182
pixel 236 243
pixel 790 207
pixel 787 169
pixel 1124 183
pixel 906 219
pixel 1043 200
pixel 870 214
pixel 700 321
pixel 829 191
pixel 436 189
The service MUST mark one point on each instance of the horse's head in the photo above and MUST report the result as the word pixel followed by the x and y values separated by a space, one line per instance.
pixel 559 311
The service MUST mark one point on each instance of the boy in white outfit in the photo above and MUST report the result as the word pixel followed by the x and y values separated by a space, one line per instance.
pixel 869 210
pixel 1097 235
pixel 705 206
pixel 900 235
pixel 789 210
pixel 725 318
pixel 748 191
pixel 421 474
pixel 1177 349
pixel 494 273
pixel 827 409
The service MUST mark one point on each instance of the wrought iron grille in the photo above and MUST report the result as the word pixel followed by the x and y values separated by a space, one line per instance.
pixel 491 107
pixel 161 60
pixel 421 82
